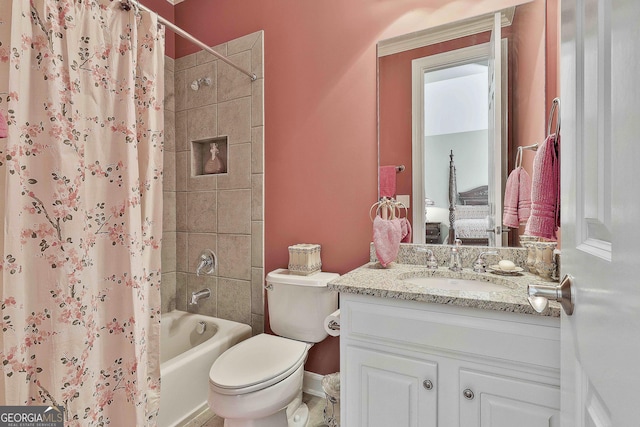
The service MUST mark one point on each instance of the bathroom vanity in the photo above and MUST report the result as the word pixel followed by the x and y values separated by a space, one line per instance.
pixel 418 355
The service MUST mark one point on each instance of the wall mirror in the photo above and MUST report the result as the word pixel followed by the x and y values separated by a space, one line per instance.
pixel 464 95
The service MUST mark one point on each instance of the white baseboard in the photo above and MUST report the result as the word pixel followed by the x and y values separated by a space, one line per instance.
pixel 312 384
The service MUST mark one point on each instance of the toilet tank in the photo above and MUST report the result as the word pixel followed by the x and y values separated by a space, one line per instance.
pixel 298 305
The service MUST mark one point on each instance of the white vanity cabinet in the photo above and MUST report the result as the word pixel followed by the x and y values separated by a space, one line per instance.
pixel 409 364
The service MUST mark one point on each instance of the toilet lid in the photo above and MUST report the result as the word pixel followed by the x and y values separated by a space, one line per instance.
pixel 256 363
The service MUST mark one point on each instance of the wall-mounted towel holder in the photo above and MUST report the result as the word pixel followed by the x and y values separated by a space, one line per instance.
pixel 532 147
pixel 387 208
pixel 555 106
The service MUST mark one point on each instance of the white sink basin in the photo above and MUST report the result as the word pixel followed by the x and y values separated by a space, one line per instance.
pixel 455 284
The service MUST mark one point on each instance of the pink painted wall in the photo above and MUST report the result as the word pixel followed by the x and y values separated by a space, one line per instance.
pixel 166 10
pixel 320 114
pixel 553 51
pixel 553 63
pixel 529 97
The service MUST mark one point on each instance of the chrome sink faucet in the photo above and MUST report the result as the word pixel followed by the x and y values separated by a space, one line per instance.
pixel 455 264
pixel 432 262
pixel 479 266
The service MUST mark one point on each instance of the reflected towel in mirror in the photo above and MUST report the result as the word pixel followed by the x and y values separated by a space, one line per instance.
pixel 545 191
pixel 405 225
pixel 517 198
pixel 387 181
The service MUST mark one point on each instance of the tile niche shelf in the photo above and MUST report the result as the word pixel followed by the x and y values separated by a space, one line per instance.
pixel 201 152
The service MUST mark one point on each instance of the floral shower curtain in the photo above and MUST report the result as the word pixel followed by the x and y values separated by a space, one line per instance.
pixel 82 213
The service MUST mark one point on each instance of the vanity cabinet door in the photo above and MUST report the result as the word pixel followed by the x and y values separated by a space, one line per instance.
pixel 384 389
pixel 489 400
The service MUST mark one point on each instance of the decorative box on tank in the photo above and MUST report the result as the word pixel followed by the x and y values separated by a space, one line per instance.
pixel 304 259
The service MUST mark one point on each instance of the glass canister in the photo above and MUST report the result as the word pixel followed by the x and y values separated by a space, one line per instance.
pixel 528 242
pixel 545 263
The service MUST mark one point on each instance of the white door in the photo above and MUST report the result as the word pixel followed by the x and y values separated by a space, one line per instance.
pixel 495 135
pixel 600 159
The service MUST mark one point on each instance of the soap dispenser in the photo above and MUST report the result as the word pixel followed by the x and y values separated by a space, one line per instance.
pixel 454 261
pixel 215 163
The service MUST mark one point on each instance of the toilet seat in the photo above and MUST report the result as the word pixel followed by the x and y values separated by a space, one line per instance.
pixel 256 363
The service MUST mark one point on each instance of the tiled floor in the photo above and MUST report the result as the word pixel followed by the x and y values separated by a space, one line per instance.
pixel 315 404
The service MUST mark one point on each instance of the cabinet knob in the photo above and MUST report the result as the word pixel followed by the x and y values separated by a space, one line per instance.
pixel 427 384
pixel 468 394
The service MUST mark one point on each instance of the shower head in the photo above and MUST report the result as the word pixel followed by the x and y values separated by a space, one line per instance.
pixel 195 85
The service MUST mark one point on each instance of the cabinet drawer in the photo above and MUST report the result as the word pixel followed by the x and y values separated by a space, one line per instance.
pixel 432 228
pixel 457 329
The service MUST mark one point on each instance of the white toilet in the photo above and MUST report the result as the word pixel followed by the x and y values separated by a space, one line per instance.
pixel 258 382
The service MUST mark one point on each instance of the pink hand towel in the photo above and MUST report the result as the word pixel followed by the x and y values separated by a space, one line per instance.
pixel 545 191
pixel 387 181
pixel 386 239
pixel 405 226
pixel 511 193
pixel 524 197
pixel 517 198
pixel 4 132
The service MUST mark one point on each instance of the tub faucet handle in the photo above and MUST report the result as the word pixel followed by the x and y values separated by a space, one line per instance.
pixel 207 262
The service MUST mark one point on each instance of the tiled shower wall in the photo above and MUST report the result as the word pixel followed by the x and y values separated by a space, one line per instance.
pixel 221 212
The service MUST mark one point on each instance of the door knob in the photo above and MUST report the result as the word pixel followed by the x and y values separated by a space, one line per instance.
pixel 468 394
pixel 427 384
pixel 539 295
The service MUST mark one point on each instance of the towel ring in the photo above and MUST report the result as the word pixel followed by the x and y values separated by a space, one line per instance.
pixel 393 207
pixel 554 106
pixel 399 206
pixel 396 207
pixel 518 158
pixel 373 214
pixel 378 205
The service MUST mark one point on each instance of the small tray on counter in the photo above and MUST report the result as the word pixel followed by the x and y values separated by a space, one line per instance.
pixel 495 269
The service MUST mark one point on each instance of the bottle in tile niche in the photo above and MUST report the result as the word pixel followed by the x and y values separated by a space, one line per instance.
pixel 215 164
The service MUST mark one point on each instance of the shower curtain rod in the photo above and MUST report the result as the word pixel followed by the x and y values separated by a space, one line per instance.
pixel 182 33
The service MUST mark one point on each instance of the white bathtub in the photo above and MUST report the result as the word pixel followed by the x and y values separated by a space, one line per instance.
pixel 185 359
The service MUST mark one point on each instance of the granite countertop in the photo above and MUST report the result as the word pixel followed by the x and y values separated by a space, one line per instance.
pixel 372 279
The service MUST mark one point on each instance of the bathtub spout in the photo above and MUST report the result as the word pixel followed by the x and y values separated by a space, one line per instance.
pixel 197 296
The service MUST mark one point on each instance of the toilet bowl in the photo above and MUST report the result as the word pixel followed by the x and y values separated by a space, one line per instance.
pixel 254 383
pixel 258 382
